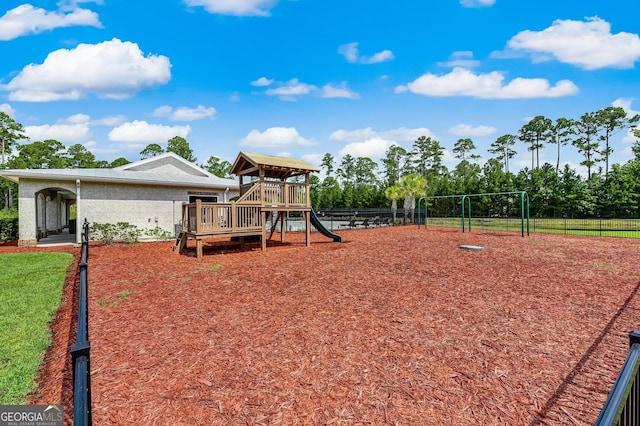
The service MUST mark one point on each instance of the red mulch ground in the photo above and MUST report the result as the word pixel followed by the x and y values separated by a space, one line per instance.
pixel 394 326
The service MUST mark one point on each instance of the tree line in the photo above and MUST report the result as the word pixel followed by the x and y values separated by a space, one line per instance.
pixel 554 191
pixel 53 154
pixel 608 190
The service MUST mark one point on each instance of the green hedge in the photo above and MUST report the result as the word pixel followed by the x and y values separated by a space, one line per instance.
pixel 8 225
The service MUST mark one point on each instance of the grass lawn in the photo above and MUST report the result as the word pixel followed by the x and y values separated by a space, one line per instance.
pixel 30 292
pixel 623 228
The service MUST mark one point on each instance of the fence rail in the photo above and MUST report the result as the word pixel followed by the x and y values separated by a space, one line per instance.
pixel 80 351
pixel 622 407
pixel 201 217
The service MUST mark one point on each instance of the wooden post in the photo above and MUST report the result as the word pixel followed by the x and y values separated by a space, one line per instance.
pixel 283 225
pixel 264 230
pixel 307 187
pixel 185 217
pixel 307 219
pixel 234 217
pixel 199 247
pixel 287 195
pixel 262 185
pixel 198 216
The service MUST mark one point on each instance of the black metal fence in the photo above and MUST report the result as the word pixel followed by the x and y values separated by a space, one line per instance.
pixel 341 218
pixel 80 350
pixel 622 407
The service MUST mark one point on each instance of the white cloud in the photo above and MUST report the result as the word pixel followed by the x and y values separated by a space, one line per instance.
pixel 142 132
pixel 262 81
pixel 235 7
pixel 76 119
pixel 589 45
pixel 352 135
pixel 73 4
pixel 111 69
pixel 477 3
pixel 26 19
pixel 109 121
pixel 401 134
pixel 629 136
pixel 462 59
pixel 385 55
pixel 373 148
pixel 468 130
pixel 185 113
pixel 351 54
pixel 275 137
pixel 369 143
pixel 313 158
pixel 7 109
pixel 341 91
pixel 162 111
pixel 290 90
pixel 625 104
pixel 462 82
pixel 349 51
pixel 114 150
pixel 293 89
pixel 65 133
pixel 86 119
pixel 407 135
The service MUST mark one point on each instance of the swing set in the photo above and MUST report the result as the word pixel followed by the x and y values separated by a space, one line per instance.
pixel 465 202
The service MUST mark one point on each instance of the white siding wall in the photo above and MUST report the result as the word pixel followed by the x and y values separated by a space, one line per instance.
pixel 138 205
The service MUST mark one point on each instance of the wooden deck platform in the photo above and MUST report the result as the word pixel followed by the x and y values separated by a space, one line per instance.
pixel 248 216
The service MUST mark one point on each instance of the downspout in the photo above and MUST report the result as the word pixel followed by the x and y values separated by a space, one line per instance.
pixel 225 194
pixel 78 223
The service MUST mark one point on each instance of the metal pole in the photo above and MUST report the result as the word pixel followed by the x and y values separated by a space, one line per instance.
pixel 462 204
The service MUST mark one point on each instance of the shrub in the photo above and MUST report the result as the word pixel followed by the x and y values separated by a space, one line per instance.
pixel 8 225
pixel 159 234
pixel 108 233
pixel 128 233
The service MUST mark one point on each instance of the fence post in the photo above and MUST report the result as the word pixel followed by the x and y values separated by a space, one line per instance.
pixel 80 351
pixel 600 226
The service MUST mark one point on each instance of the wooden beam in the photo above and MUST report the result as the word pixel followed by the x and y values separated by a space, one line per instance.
pixel 307 218
pixel 198 216
pixel 199 247
pixel 283 228
pixel 264 230
pixel 250 170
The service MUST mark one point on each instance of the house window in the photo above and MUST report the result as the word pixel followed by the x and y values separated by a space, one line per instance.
pixel 203 198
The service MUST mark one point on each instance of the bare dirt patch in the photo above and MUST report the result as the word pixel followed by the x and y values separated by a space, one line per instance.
pixel 393 326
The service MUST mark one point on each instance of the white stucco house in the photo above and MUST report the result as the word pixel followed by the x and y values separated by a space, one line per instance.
pixel 146 193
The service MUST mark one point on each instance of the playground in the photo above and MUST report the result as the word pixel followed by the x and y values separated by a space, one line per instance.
pixel 395 325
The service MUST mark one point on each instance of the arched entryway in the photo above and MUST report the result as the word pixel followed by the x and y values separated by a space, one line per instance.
pixel 54 213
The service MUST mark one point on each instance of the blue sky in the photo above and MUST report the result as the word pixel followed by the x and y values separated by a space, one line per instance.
pixel 308 77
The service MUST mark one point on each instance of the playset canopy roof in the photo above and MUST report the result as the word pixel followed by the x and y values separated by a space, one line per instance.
pixel 250 164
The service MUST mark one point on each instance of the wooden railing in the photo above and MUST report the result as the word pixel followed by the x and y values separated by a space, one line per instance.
pixel 220 218
pixel 275 194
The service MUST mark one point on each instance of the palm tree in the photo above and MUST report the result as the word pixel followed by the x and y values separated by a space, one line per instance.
pixel 394 193
pixel 413 186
